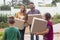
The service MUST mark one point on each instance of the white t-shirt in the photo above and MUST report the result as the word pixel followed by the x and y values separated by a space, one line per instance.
pixel 21 17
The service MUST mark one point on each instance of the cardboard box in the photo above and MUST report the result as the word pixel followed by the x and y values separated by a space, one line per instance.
pixel 19 23
pixel 38 25
pixel 30 17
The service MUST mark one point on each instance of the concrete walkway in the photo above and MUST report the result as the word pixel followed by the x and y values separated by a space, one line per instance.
pixel 56 37
pixel 56 29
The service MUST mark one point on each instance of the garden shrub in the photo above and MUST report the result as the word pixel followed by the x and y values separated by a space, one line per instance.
pixel 5 7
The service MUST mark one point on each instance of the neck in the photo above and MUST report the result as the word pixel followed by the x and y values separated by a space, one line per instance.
pixel 32 8
pixel 11 25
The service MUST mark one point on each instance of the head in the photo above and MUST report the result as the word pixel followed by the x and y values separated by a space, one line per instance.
pixel 11 20
pixel 32 6
pixel 23 9
pixel 47 16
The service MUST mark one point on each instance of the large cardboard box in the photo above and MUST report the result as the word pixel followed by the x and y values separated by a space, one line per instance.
pixel 38 25
pixel 19 23
pixel 30 17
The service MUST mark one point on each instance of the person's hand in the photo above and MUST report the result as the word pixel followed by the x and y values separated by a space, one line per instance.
pixel 36 33
pixel 39 33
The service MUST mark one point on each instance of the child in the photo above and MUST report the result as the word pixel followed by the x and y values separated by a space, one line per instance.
pixel 11 33
pixel 48 34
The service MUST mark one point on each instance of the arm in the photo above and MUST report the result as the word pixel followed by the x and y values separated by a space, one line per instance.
pixel 5 36
pixel 43 33
pixel 48 28
pixel 16 16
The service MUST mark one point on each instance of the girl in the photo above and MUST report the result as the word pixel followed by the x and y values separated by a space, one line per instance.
pixel 48 34
pixel 23 16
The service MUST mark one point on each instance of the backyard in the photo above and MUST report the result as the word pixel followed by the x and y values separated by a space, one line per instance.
pixel 3 22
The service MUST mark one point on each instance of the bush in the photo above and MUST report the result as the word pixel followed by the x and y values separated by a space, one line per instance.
pixel 4 25
pixel 47 5
pixel 56 19
pixel 5 7
pixel 18 6
pixel 3 18
pixel 57 16
pixel 3 21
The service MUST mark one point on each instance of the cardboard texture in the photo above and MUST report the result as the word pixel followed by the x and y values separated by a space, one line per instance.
pixel 19 23
pixel 30 17
pixel 38 25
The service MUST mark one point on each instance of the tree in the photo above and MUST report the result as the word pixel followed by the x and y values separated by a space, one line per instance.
pixel 26 2
pixel 55 1
pixel 12 2
pixel 4 2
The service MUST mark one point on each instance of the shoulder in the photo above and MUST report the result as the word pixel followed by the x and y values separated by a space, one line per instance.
pixel 16 28
pixel 29 11
pixel 37 11
pixel 6 29
pixel 50 22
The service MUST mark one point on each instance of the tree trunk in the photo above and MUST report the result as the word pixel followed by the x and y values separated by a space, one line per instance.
pixel 4 2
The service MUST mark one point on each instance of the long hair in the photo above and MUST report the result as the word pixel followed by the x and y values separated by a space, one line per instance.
pixel 24 11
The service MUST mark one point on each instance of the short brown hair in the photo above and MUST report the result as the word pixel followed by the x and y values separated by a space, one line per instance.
pixel 11 20
pixel 31 3
pixel 48 16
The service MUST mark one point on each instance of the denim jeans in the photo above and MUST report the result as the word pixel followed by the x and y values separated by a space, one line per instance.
pixel 22 32
pixel 32 37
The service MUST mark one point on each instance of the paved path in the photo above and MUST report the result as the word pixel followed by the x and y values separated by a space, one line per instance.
pixel 56 27
pixel 27 37
pixel 56 37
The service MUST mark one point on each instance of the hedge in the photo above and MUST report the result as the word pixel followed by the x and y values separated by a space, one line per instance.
pixel 56 19
pixel 5 7
pixel 3 21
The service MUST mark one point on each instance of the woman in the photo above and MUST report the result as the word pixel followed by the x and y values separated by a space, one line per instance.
pixel 23 16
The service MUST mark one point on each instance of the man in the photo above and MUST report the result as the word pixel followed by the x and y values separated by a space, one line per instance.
pixel 33 11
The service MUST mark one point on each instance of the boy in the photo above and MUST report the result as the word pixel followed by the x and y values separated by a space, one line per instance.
pixel 48 34
pixel 12 32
